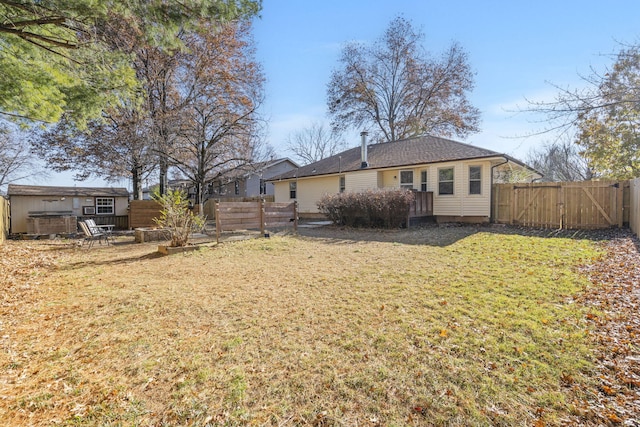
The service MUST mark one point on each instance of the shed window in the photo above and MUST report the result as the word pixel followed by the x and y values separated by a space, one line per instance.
pixel 343 184
pixel 406 179
pixel 445 181
pixel 105 205
pixel 293 189
pixel 475 180
pixel 423 180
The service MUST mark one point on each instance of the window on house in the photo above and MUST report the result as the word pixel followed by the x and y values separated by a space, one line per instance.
pixel 342 184
pixel 406 179
pixel 475 179
pixel 105 205
pixel 445 181
pixel 236 188
pixel 423 180
pixel 263 186
pixel 293 187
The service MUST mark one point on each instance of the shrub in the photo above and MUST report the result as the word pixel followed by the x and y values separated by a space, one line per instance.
pixel 369 209
pixel 176 217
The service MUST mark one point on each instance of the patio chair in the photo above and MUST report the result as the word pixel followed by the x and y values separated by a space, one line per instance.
pixel 100 229
pixel 90 235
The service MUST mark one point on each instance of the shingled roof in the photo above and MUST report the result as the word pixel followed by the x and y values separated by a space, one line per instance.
pixel 406 152
pixel 38 190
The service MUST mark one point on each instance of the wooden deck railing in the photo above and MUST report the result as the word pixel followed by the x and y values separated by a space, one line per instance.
pixel 422 206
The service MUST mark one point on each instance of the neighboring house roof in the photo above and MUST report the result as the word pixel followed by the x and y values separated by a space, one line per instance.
pixel 405 152
pixel 255 168
pixel 37 190
pixel 260 166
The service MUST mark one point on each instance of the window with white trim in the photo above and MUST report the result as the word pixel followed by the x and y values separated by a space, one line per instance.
pixel 475 179
pixel 293 189
pixel 105 205
pixel 343 184
pixel 423 180
pixel 406 179
pixel 445 181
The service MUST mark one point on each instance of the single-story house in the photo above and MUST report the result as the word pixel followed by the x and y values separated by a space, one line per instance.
pixel 43 210
pixel 459 175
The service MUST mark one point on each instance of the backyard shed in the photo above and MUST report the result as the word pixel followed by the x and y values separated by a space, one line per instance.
pixel 54 210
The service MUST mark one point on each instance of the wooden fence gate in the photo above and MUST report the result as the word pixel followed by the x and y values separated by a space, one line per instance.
pixel 584 205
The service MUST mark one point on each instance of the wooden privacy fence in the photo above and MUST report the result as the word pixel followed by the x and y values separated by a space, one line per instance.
pixel 232 216
pixel 209 209
pixel 584 205
pixel 634 206
pixel 142 212
pixel 4 219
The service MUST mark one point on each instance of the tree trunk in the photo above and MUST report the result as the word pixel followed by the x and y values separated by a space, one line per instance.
pixel 164 180
pixel 137 185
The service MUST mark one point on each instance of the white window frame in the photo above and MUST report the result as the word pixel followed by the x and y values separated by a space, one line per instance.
pixel 452 181
pixel 293 190
pixel 424 179
pixel 105 209
pixel 342 184
pixel 478 180
pixel 406 185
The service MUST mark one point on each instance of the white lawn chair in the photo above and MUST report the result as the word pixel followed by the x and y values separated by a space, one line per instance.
pixel 90 235
pixel 100 229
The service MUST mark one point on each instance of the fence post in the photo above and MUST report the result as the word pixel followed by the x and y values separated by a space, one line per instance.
pixel 562 213
pixel 295 216
pixel 514 204
pixel 262 219
pixel 218 224
pixel 620 204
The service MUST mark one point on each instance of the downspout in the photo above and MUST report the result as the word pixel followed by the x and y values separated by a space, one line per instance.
pixel 492 210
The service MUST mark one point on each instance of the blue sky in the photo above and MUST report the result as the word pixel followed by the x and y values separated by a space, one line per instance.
pixel 516 49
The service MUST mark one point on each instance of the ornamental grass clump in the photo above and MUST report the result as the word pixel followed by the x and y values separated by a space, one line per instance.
pixel 368 209
pixel 177 218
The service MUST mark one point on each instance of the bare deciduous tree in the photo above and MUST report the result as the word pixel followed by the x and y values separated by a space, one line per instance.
pixel 605 116
pixel 113 148
pixel 16 161
pixel 560 162
pixel 397 90
pixel 314 143
pixel 220 87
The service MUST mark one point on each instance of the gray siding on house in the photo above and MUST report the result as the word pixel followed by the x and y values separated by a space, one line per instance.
pixel 253 180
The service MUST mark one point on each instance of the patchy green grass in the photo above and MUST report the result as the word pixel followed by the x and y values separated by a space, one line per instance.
pixel 303 331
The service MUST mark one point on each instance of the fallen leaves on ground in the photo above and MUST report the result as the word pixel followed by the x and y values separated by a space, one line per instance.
pixel 21 269
pixel 615 298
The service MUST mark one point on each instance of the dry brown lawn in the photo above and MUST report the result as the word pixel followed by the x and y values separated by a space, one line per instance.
pixel 452 326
